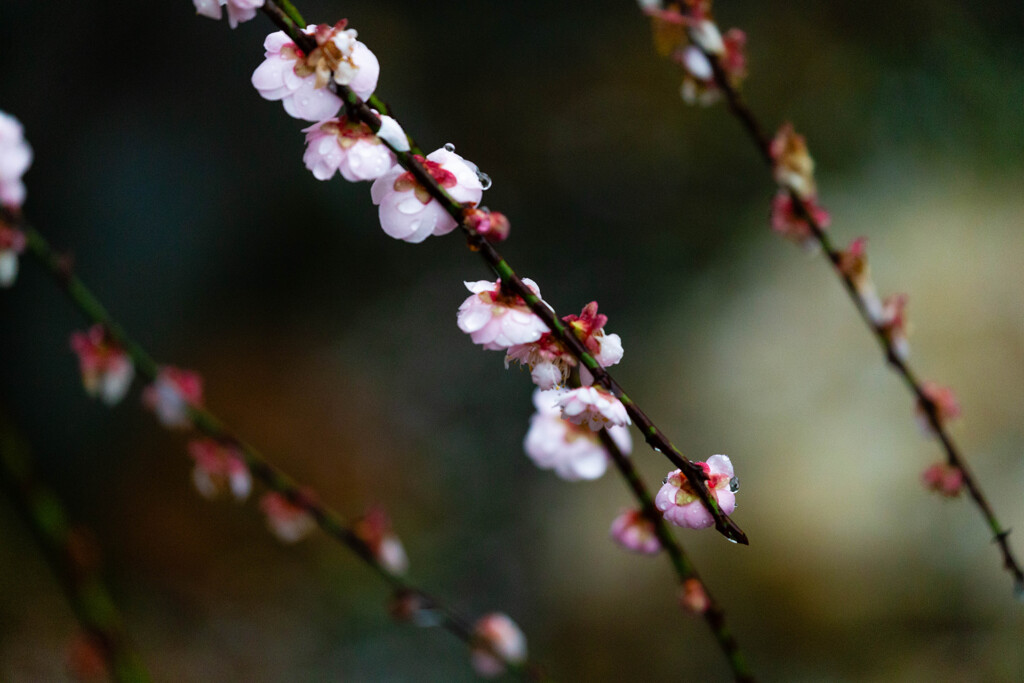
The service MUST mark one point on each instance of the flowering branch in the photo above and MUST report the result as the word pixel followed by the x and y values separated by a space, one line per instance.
pixel 808 220
pixel 104 648
pixel 410 602
pixel 289 21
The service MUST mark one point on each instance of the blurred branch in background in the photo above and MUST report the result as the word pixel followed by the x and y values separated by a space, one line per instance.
pixel 714 67
pixel 412 604
pixel 104 649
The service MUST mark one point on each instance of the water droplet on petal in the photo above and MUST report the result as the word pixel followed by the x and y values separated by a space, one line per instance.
pixel 734 484
pixel 485 180
pixel 409 206
pixel 449 147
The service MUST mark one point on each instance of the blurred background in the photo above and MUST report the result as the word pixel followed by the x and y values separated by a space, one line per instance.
pixel 184 199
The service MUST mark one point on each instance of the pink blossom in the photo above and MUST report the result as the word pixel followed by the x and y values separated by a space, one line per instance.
pixel 944 402
pixel 497 641
pixel 497 320
pixel 238 10
pixel 594 407
pixel 219 467
pixel 15 158
pixel 12 243
pixel 172 394
pixel 788 222
pixel 407 210
pixel 682 506
pixel 574 452
pixel 693 597
pixel 944 478
pixel 301 81
pixel 893 324
pixel 633 531
pixel 107 370
pixel 374 530
pixel 794 167
pixel 491 224
pixel 347 147
pixel 286 520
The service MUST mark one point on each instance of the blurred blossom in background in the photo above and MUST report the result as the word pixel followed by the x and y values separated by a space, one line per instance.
pixel 185 201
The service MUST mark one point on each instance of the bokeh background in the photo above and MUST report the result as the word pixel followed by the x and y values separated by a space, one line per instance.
pixel 184 200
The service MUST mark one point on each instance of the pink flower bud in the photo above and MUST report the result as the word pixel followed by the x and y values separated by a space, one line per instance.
pixel 944 402
pixel 574 452
pixel 893 324
pixel 172 394
pixel 794 167
pixel 374 530
pixel 853 264
pixel 410 606
pixel 595 407
pixel 12 243
pixel 286 520
pixel 346 147
pixel 788 222
pixel 497 642
pixel 15 158
pixel 944 478
pixel 107 371
pixel 693 597
pixel 682 506
pixel 219 468
pixel 408 211
pixel 491 224
pixel 633 531
pixel 497 320
pixel 300 81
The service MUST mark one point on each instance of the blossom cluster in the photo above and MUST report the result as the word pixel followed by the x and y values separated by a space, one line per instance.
pixel 307 85
pixel 563 431
pixel 686 33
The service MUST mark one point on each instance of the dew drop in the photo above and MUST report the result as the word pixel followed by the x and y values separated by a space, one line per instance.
pixel 449 147
pixel 485 180
pixel 734 484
